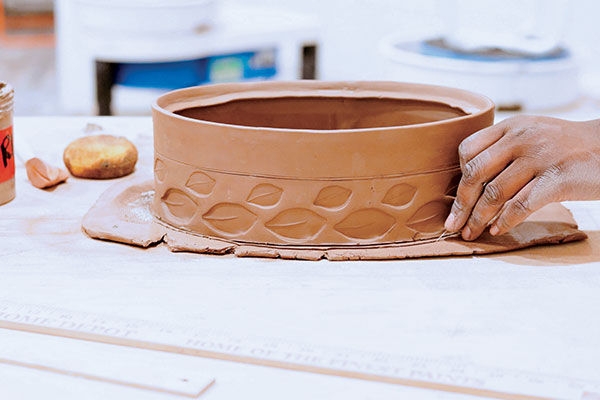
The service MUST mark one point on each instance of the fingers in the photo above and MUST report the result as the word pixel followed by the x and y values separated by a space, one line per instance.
pixel 536 194
pixel 479 141
pixel 481 169
pixel 504 187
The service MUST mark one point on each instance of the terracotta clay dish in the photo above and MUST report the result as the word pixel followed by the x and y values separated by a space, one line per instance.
pixel 304 169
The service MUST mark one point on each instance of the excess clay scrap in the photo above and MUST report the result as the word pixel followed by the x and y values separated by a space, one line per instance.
pixel 309 169
pixel 123 214
pixel 42 175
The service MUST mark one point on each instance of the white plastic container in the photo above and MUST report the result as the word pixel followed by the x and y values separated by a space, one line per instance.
pixel 146 16
pixel 526 84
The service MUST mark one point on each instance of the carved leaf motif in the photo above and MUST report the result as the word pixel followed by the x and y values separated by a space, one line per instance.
pixel 453 186
pixel 430 217
pixel 296 223
pixel 160 170
pixel 400 195
pixel 367 223
pixel 200 183
pixel 332 197
pixel 179 204
pixel 265 195
pixel 230 218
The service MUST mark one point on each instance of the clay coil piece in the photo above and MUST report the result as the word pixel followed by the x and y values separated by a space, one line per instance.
pixel 311 163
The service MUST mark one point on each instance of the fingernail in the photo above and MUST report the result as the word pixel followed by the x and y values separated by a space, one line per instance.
pixel 466 233
pixel 449 224
pixel 494 230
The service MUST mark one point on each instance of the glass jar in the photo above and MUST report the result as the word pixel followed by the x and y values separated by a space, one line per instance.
pixel 7 155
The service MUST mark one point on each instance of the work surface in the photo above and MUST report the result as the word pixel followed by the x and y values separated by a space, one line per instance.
pixel 533 310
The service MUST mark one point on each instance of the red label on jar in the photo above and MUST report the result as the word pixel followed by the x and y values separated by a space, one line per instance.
pixel 7 155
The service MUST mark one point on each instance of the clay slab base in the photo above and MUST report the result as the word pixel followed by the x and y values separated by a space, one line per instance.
pixel 122 214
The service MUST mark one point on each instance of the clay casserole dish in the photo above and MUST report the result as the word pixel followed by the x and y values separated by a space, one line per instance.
pixel 311 163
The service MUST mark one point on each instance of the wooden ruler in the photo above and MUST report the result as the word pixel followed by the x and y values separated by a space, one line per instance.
pixel 446 375
pixel 98 378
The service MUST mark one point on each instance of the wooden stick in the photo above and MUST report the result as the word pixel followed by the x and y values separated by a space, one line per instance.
pixel 76 374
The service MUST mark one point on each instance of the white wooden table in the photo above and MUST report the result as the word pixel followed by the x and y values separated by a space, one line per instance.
pixel 536 310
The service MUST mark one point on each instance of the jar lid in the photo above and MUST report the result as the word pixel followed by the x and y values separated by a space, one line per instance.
pixel 6 96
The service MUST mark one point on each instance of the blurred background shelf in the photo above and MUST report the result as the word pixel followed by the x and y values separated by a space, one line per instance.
pixel 331 40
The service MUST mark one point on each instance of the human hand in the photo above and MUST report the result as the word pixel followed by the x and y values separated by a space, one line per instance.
pixel 518 166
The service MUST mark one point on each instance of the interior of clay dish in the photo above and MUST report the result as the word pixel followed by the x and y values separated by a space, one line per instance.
pixel 323 113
